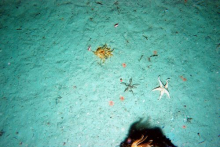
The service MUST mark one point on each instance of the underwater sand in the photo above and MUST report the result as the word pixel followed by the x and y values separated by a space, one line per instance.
pixel 55 92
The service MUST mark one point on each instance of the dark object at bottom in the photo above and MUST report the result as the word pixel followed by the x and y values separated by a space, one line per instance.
pixel 139 128
pixel 2 132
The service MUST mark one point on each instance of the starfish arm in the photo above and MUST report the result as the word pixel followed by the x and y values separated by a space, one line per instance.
pixel 167 93
pixel 161 94
pixel 130 81
pixel 161 85
pixel 158 89
pixel 131 91
pixel 124 83
pixel 134 86
pixel 166 86
pixel 126 89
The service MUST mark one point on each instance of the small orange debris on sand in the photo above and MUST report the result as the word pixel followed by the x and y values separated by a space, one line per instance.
pixel 184 79
pixel 122 98
pixel 184 126
pixel 155 52
pixel 124 65
pixel 111 103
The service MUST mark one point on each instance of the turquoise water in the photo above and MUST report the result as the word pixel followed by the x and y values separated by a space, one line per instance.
pixel 56 92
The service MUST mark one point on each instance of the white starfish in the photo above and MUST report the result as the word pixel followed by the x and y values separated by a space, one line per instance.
pixel 162 88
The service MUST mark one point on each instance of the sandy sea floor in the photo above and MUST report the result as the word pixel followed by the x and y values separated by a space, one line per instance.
pixel 54 91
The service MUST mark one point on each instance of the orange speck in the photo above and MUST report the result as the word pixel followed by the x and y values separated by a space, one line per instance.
pixel 124 65
pixel 155 52
pixel 184 79
pixel 122 98
pixel 120 79
pixel 184 126
pixel 111 103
